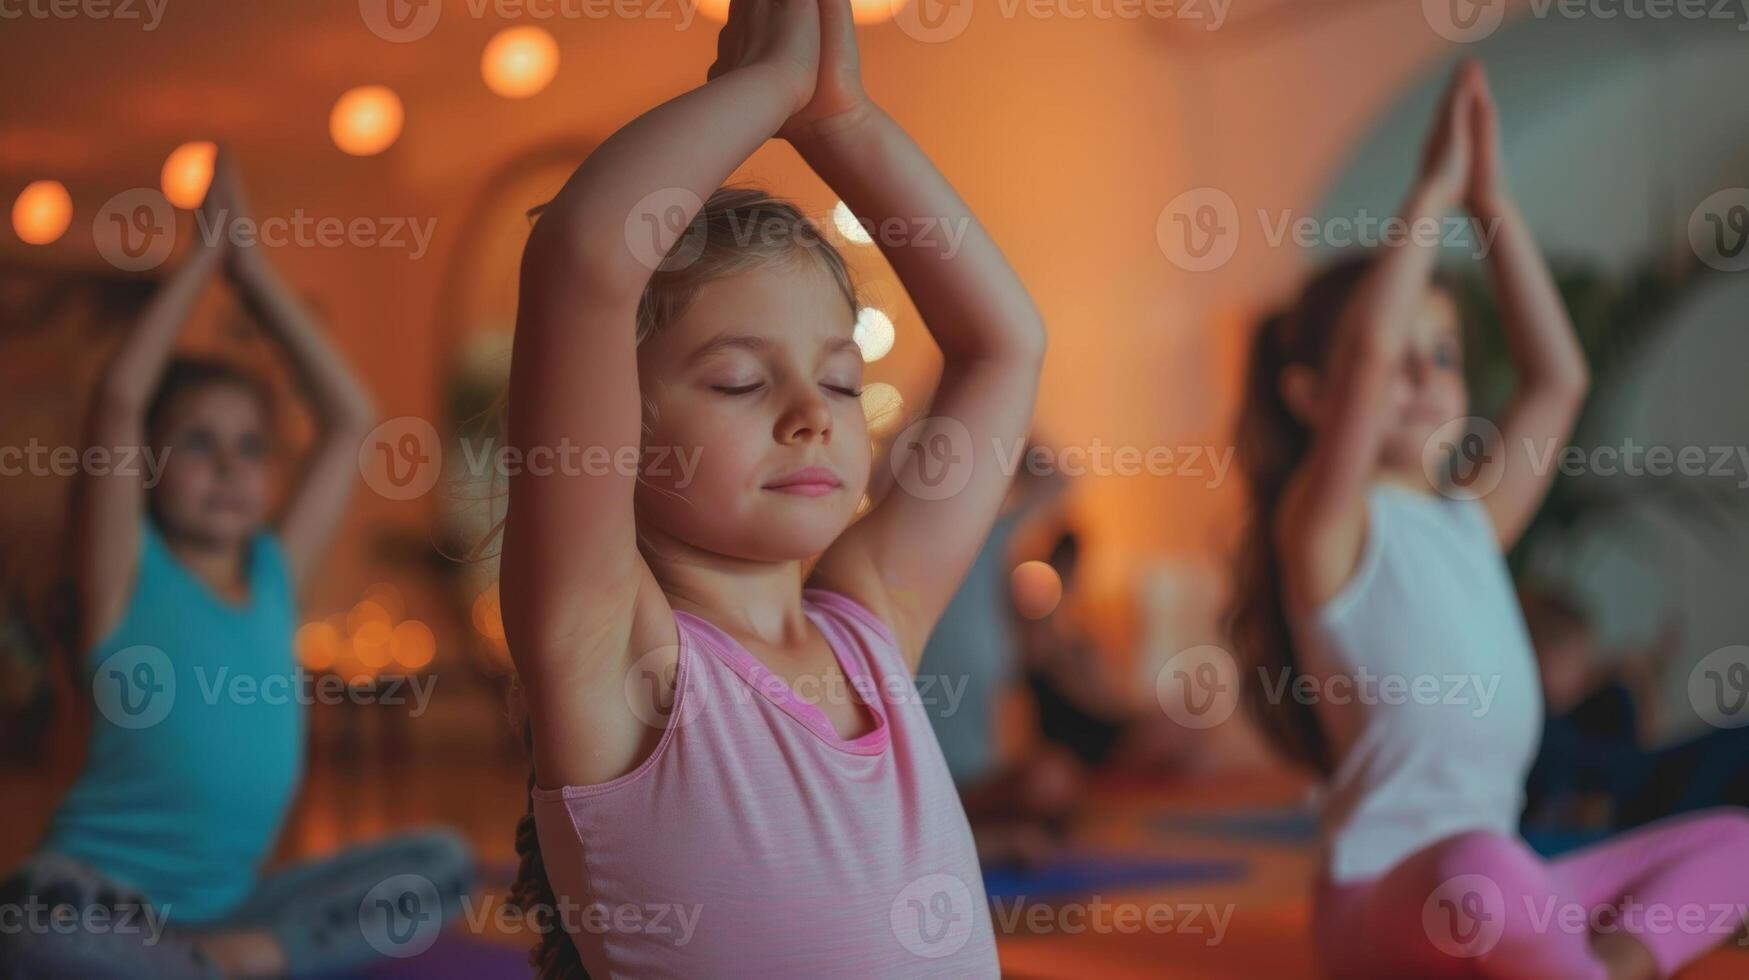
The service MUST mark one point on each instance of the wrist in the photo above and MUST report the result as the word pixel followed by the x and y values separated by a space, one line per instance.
pixel 841 128
pixel 1492 204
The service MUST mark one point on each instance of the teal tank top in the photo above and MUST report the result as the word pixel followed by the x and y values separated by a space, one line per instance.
pixel 197 736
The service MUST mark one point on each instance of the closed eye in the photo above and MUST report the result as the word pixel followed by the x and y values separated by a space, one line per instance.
pixel 852 392
pixel 738 389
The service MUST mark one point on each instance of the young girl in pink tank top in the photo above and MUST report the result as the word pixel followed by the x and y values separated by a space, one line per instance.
pixel 733 775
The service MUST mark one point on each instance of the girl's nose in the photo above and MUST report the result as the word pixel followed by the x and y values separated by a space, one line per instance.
pixel 807 417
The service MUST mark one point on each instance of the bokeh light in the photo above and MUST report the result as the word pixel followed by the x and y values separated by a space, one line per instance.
pixel 412 645
pixel 849 227
pixel 366 120
pixel 881 405
pixel 861 11
pixel 188 172
pixel 319 645
pixel 1037 589
pixel 520 61
pixel 42 212
pixel 873 333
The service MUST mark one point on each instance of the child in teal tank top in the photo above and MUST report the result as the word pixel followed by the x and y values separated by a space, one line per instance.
pixel 186 616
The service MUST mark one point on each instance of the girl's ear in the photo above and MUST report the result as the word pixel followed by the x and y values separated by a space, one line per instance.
pixel 1302 392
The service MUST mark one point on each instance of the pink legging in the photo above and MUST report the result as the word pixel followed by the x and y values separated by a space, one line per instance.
pixel 1483 904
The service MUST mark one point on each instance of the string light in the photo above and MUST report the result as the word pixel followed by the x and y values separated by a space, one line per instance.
pixel 366 120
pixel 42 212
pixel 519 61
pixel 187 173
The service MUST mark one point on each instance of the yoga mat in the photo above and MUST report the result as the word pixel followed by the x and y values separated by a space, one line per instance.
pixel 1076 875
pixel 1295 825
pixel 455 957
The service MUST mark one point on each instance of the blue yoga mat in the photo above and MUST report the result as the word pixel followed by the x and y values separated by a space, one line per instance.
pixel 1295 825
pixel 1073 876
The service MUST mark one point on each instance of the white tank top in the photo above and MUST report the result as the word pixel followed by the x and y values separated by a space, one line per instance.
pixel 1425 683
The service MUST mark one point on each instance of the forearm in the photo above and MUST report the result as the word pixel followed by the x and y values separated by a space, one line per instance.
pixel 339 399
pixel 137 365
pixel 648 178
pixel 1378 322
pixel 1545 351
pixel 968 295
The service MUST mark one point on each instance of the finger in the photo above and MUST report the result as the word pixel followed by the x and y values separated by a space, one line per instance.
pixel 837 25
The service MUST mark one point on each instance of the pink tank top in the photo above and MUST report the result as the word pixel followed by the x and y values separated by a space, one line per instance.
pixel 754 841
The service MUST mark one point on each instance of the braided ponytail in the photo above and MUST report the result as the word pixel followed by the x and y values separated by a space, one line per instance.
pixel 554 957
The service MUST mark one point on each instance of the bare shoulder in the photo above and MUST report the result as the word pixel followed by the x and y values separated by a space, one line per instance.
pixel 600 704
pixel 1319 546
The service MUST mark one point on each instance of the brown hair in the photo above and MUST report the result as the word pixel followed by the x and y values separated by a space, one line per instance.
pixel 1272 441
pixel 738 228
pixel 186 375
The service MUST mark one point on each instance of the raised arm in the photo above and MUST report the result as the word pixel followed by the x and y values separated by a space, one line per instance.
pixel 576 594
pixel 1322 522
pixel 342 406
pixel 108 507
pixel 1552 374
pixel 908 555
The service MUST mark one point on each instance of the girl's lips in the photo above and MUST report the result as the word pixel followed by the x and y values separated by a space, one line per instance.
pixel 815 481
